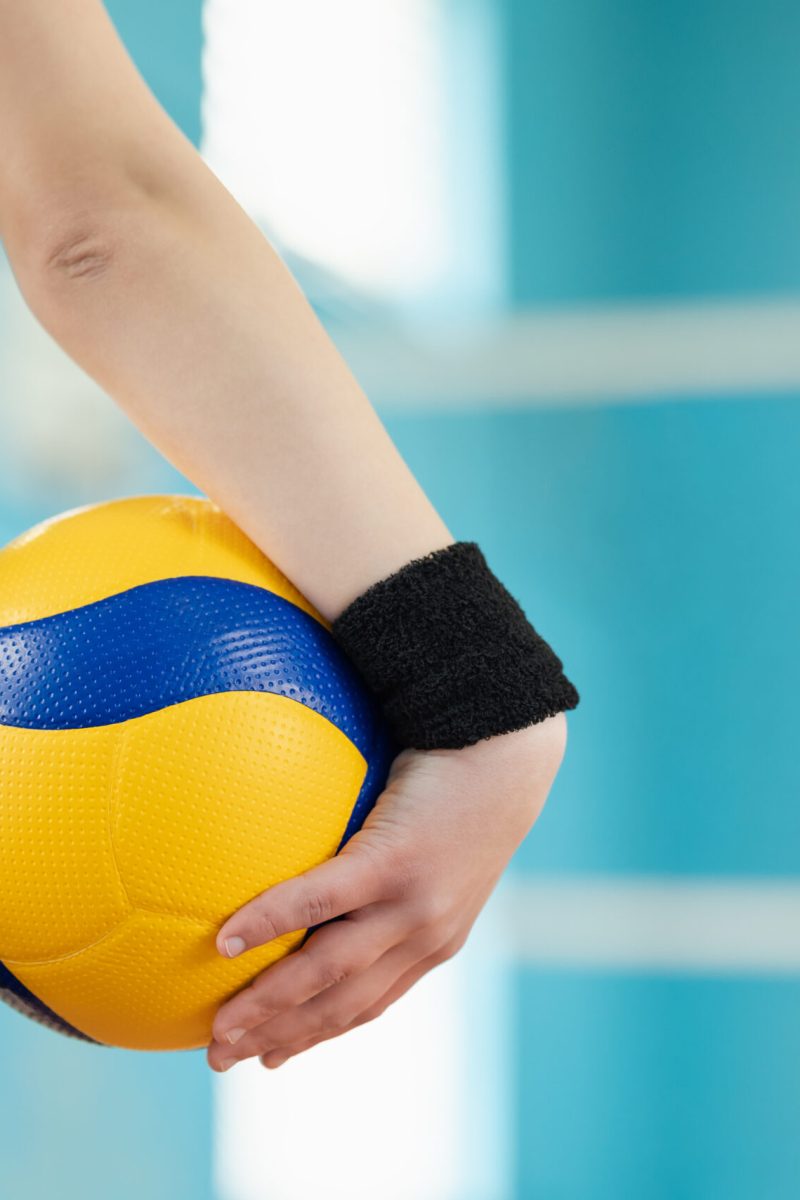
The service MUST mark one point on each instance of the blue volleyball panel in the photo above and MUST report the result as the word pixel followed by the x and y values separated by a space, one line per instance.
pixel 17 996
pixel 170 641
pixel 379 760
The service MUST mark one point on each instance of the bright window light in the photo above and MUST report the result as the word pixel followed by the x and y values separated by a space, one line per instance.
pixel 340 128
pixel 414 1106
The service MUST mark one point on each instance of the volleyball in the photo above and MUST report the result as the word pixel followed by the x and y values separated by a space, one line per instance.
pixel 178 732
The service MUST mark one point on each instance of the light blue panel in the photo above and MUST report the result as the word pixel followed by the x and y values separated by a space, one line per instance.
pixel 656 548
pixel 670 1089
pixel 650 147
pixel 165 41
pixel 82 1122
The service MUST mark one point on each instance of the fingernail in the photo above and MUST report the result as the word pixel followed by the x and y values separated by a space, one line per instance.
pixel 234 946
pixel 233 1035
pixel 226 1064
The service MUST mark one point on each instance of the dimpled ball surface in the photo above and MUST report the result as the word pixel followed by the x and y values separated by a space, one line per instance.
pixel 178 732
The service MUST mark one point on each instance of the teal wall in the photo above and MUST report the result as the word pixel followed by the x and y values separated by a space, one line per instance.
pixel 651 147
pixel 166 41
pixel 659 1088
pixel 89 1123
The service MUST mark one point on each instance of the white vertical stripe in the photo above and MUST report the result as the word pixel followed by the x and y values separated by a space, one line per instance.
pixel 327 121
pixel 411 1107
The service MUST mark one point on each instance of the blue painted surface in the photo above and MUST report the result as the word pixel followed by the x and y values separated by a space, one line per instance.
pixel 166 41
pixel 650 148
pixel 88 1123
pixel 670 1089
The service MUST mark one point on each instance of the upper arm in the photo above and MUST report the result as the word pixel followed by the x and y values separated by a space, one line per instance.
pixel 75 117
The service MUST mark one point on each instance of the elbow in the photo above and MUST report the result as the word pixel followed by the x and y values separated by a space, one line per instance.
pixel 85 251
pixel 67 243
pixel 72 244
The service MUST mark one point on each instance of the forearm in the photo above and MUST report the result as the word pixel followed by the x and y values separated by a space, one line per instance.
pixel 153 279
pixel 196 328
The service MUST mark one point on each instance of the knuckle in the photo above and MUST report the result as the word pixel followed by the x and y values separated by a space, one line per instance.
pixel 330 973
pixel 404 875
pixel 264 926
pixel 266 996
pixel 263 1006
pixel 360 849
pixel 432 907
pixel 384 869
pixel 316 909
pixel 370 860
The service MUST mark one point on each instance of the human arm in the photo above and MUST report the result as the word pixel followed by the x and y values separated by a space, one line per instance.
pixel 143 267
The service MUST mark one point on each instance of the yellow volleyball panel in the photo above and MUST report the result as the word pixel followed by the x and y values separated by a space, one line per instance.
pixel 59 885
pixel 91 553
pixel 222 796
pixel 154 983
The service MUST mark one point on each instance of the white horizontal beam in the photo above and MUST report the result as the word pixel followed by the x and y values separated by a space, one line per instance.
pixel 707 926
pixel 616 354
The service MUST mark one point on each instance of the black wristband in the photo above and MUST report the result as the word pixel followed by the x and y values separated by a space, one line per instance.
pixel 449 653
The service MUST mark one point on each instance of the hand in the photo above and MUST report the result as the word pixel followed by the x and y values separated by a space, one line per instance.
pixel 398 900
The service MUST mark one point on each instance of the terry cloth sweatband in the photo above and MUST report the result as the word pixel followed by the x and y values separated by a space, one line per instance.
pixel 449 653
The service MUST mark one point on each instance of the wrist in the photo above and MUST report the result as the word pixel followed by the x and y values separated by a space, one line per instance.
pixel 450 654
pixel 546 739
pixel 516 770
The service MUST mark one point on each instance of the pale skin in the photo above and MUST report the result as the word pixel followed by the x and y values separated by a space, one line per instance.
pixel 138 261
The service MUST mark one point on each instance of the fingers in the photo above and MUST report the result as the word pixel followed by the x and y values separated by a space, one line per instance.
pixel 332 955
pixel 276 1058
pixel 333 1011
pixel 347 882
pixel 330 1010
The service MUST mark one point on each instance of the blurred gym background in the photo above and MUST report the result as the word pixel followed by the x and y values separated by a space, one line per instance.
pixel 557 242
